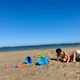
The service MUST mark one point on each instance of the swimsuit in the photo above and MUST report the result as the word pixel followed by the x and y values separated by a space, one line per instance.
pixel 65 59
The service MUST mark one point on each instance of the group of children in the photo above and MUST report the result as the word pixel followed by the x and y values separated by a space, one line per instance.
pixel 64 57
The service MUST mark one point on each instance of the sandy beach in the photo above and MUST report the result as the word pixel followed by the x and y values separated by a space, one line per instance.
pixel 52 71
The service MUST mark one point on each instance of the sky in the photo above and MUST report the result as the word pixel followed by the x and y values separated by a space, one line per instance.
pixel 33 22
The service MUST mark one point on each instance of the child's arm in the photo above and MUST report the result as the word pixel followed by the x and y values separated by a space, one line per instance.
pixel 74 57
pixel 57 58
pixel 67 56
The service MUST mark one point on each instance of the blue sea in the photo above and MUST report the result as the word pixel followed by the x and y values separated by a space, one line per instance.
pixel 39 46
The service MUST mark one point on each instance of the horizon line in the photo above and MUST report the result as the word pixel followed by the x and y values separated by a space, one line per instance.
pixel 58 43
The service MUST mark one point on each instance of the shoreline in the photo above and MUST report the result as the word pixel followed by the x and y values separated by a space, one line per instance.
pixel 43 46
pixel 38 48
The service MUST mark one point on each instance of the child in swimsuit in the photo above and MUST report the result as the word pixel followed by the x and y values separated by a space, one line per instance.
pixel 63 56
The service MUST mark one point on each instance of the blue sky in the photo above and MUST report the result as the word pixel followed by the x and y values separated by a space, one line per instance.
pixel 29 22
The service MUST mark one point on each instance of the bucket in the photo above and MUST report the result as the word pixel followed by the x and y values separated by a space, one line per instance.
pixel 28 60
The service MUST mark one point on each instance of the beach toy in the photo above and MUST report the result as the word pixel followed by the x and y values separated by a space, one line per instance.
pixel 21 66
pixel 43 61
pixel 42 56
pixel 7 66
pixel 28 60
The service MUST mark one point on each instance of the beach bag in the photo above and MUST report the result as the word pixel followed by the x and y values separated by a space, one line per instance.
pixel 43 61
pixel 28 60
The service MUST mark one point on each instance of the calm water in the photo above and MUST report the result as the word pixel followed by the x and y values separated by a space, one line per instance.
pixel 39 46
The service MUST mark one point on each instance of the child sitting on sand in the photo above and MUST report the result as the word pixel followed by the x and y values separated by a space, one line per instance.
pixel 77 55
pixel 64 57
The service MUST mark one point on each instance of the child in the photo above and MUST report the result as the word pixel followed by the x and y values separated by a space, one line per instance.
pixel 63 56
pixel 77 55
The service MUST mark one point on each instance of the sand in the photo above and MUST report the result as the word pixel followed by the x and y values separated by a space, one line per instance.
pixel 52 71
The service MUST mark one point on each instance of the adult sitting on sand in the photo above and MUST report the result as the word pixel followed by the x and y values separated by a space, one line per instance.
pixel 64 57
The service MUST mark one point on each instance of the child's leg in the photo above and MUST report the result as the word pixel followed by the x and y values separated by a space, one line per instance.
pixel 73 57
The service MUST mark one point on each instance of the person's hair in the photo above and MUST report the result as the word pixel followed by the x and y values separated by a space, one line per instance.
pixel 58 50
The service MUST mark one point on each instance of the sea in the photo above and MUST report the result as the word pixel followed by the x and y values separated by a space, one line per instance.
pixel 33 47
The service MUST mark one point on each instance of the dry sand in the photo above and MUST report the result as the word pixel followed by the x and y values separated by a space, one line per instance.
pixel 52 71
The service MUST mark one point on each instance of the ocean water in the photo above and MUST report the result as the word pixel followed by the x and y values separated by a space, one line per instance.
pixel 39 46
